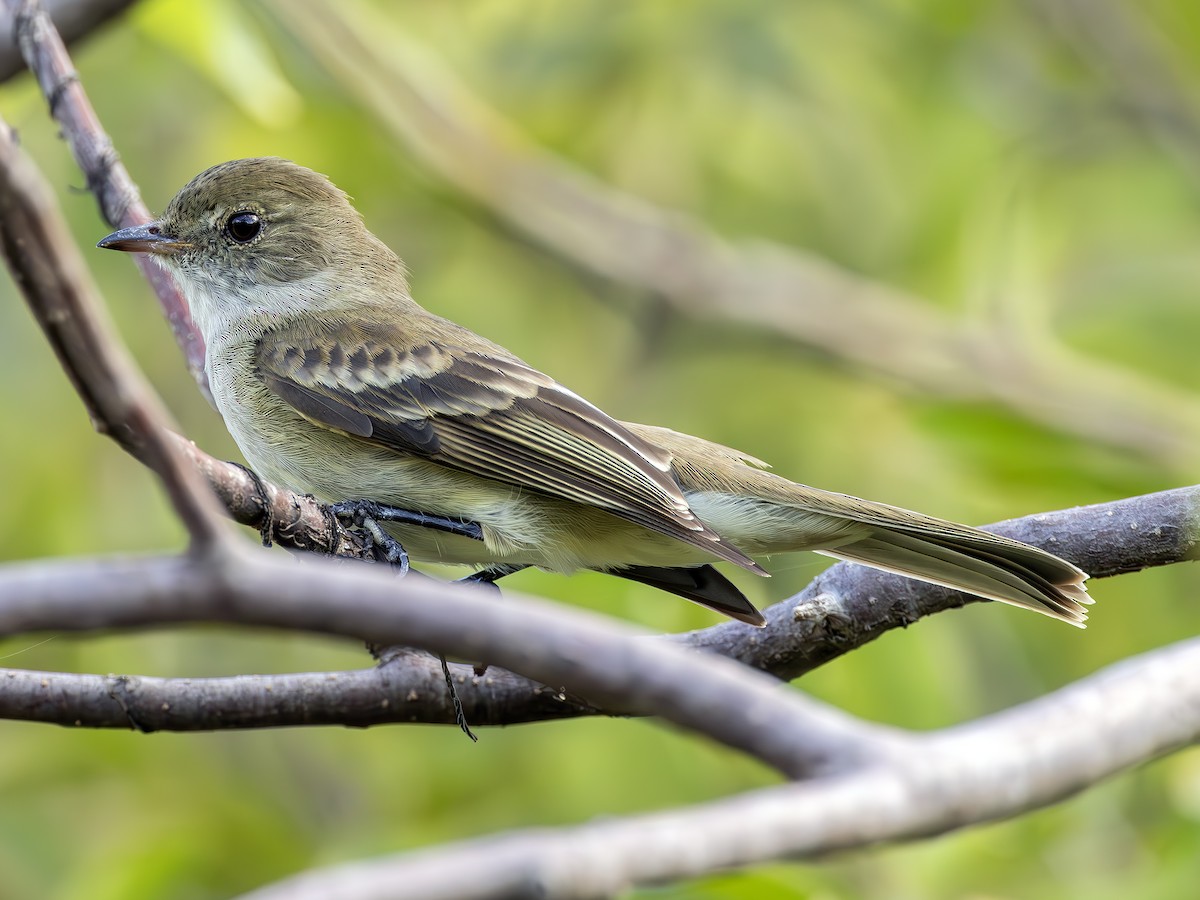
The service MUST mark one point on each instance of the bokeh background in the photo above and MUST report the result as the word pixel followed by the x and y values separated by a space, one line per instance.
pixel 1030 170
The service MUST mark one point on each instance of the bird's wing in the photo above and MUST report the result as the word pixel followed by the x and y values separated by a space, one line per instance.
pixel 480 411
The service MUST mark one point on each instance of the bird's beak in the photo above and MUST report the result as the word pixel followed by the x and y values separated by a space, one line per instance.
pixel 148 238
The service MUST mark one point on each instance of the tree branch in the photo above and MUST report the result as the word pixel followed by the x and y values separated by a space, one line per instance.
pixel 588 656
pixel 844 608
pixel 74 19
pixel 998 767
pixel 120 202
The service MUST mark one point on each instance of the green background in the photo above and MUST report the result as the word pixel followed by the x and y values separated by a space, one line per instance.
pixel 970 153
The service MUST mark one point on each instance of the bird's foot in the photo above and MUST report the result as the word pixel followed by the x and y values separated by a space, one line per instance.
pixel 267 525
pixel 489 576
pixel 367 515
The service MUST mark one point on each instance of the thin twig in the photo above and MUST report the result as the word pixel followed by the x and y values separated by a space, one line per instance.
pixel 120 202
pixel 48 269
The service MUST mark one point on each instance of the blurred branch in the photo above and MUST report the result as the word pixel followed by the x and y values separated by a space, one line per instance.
pixel 997 767
pixel 786 291
pixel 120 202
pixel 74 19
pixel 1119 43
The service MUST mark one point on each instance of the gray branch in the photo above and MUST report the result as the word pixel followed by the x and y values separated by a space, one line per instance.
pixel 581 654
pixel 994 768
pixel 75 20
pixel 844 608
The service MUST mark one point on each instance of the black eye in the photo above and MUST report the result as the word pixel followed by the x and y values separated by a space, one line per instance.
pixel 243 227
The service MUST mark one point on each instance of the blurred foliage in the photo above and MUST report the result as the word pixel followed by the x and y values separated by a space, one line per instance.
pixel 969 152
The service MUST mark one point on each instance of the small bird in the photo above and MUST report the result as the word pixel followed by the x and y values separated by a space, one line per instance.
pixel 334 382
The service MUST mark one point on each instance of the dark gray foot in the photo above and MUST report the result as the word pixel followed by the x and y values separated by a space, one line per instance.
pixel 491 574
pixel 366 514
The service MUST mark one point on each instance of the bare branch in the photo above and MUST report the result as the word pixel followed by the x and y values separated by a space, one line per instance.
pixel 46 266
pixel 997 767
pixel 75 19
pixel 408 687
pixel 588 656
pixel 844 608
pixel 787 291
pixel 120 202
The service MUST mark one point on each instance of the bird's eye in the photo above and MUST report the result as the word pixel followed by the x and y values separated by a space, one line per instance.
pixel 243 227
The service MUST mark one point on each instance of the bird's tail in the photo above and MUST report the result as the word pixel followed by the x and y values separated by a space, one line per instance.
pixel 763 514
pixel 979 563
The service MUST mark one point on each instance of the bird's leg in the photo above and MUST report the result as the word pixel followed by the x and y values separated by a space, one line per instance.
pixel 382 513
pixel 459 716
pixel 366 514
pixel 489 576
pixel 267 525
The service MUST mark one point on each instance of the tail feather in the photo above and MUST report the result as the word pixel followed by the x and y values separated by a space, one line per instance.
pixel 700 584
pixel 988 566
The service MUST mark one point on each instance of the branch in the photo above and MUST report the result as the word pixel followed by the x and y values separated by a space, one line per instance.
pixel 784 290
pixel 120 202
pixel 844 608
pixel 588 656
pixel 1010 763
pixel 75 20
pixel 62 297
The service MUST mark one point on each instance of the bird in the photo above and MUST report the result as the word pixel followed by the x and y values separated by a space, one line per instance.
pixel 334 382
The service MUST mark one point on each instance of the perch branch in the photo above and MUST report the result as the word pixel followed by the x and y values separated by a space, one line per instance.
pixel 844 608
pixel 584 654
